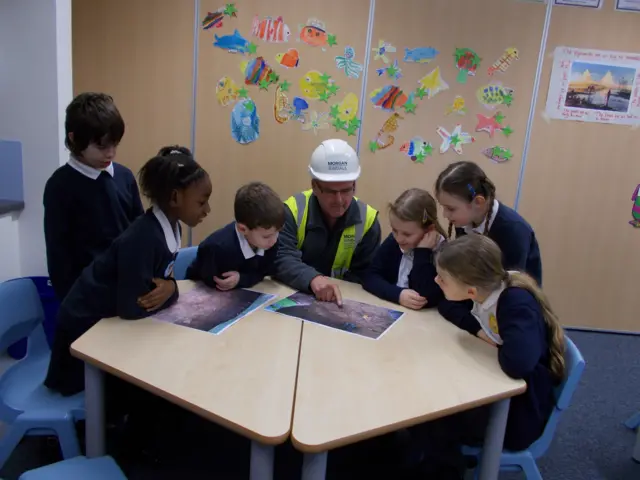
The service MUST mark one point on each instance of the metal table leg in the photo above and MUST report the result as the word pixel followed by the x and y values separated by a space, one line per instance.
pixel 95 416
pixel 494 440
pixel 262 461
pixel 314 466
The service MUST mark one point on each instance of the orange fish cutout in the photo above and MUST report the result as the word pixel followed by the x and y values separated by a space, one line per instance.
pixel 270 30
pixel 314 33
pixel 288 59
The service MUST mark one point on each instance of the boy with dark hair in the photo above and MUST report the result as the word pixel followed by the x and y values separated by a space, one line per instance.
pixel 242 253
pixel 91 200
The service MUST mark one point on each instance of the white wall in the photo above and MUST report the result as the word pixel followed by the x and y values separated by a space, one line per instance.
pixel 35 88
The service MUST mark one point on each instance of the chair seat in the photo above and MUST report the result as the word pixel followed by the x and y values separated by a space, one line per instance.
pixel 78 468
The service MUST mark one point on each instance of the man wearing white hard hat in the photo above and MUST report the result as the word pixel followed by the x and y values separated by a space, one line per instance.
pixel 328 232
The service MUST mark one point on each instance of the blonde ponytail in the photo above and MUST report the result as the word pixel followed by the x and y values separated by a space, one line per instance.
pixel 556 333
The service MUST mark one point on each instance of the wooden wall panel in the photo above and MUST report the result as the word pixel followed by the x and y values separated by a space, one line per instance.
pixel 281 155
pixel 577 188
pixel 488 27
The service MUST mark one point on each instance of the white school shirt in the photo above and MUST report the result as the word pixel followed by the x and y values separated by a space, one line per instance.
pixel 171 235
pixel 485 313
pixel 247 250
pixel 406 264
pixel 480 228
pixel 88 171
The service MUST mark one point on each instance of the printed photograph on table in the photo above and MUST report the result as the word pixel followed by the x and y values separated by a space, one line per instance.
pixel 357 318
pixel 211 310
pixel 594 86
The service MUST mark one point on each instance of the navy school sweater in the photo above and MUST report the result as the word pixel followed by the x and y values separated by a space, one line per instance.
pixel 382 276
pixel 110 286
pixel 525 355
pixel 82 216
pixel 221 252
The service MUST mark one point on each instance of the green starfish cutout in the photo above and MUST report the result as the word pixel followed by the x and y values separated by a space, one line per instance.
pixel 373 146
pixel 507 131
pixel 324 78
pixel 410 107
pixel 428 149
pixel 249 106
pixel 351 129
pixel 284 86
pixel 331 40
pixel 355 121
pixel 421 92
pixel 324 97
pixel 335 111
pixel 243 93
pixel 264 85
pixel 498 117
pixel 420 157
pixel 273 77
pixel 392 70
pixel 339 124
pixel 455 140
pixel 504 152
pixel 332 88
pixel 507 99
pixel 230 10
pixel 252 48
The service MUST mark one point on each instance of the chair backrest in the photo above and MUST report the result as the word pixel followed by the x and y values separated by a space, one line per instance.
pixel 20 311
pixel 564 392
pixel 183 260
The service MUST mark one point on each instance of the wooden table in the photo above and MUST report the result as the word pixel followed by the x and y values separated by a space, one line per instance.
pixel 243 379
pixel 352 388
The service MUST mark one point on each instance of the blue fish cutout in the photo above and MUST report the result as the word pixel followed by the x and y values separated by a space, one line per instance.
pixel 245 122
pixel 420 54
pixel 235 43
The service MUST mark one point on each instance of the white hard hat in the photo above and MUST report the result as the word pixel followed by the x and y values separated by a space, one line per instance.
pixel 334 161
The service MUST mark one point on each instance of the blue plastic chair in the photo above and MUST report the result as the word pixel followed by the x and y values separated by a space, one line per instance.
pixel 525 460
pixel 78 468
pixel 26 405
pixel 183 260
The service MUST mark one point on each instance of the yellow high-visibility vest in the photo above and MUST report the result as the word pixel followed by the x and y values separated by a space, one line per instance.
pixel 351 236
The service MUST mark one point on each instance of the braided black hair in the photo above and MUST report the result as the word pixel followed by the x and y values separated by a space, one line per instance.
pixel 174 168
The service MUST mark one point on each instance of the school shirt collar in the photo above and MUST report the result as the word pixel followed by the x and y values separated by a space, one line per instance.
pixel 492 299
pixel 480 228
pixel 172 236
pixel 247 250
pixel 88 171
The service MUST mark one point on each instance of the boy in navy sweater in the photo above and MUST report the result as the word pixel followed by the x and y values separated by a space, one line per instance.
pixel 242 253
pixel 511 313
pixel 91 200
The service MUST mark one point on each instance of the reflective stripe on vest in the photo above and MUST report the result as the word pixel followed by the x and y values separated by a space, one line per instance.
pixel 351 236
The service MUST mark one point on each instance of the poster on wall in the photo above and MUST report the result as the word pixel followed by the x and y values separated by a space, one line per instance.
pixel 579 3
pixel 628 5
pixel 594 86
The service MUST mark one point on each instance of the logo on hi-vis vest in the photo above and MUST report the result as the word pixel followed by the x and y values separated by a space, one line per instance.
pixel 332 166
pixel 349 240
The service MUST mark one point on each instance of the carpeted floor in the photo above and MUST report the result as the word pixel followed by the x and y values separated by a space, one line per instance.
pixel 591 442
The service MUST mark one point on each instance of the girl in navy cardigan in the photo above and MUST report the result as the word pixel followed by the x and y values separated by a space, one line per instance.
pixel 511 313
pixel 402 270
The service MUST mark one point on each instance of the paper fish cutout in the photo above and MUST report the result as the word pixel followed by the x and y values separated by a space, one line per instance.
pixel 504 61
pixel 234 43
pixel 213 19
pixel 348 108
pixel 433 83
pixel 494 94
pixel 467 61
pixel 393 71
pixel 388 97
pixel 281 106
pixel 255 71
pixel 270 30
pixel 455 139
pixel 384 139
pixel 348 64
pixel 635 210
pixel 314 33
pixel 288 59
pixel 497 154
pixel 380 52
pixel 245 122
pixel 312 85
pixel 417 149
pixel 458 106
pixel 317 121
pixel 420 54
pixel 226 91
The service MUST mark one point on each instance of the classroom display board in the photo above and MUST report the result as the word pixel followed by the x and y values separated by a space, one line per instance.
pixel 580 185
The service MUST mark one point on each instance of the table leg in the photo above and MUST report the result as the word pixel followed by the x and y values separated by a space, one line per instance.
pixel 636 449
pixel 262 461
pixel 493 440
pixel 95 416
pixel 314 466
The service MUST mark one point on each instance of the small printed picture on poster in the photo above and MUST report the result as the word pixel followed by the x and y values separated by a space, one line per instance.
pixel 579 3
pixel 628 6
pixel 600 87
